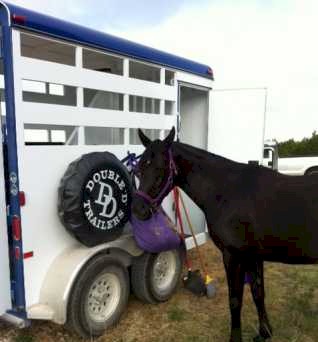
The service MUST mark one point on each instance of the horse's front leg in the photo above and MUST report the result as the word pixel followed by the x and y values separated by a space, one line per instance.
pixel 256 269
pixel 235 272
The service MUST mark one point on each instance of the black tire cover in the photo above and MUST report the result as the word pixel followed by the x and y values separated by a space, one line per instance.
pixel 94 198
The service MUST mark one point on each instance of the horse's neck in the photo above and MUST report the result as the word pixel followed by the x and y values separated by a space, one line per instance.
pixel 196 175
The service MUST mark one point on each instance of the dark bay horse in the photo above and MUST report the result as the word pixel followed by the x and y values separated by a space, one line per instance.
pixel 253 214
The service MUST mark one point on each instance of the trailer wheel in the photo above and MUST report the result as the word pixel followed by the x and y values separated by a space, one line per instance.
pixel 94 198
pixel 155 277
pixel 312 172
pixel 99 297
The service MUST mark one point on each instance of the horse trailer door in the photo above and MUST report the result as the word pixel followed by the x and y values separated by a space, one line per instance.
pixel 237 124
pixel 194 114
pixel 5 294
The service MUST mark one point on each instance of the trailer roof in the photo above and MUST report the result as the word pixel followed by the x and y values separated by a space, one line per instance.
pixel 30 20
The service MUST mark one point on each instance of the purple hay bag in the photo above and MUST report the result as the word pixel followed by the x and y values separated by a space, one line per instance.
pixel 156 234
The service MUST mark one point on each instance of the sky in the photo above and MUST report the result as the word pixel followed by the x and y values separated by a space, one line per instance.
pixel 248 43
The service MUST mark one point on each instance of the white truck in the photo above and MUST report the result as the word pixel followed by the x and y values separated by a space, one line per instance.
pixel 297 166
pixel 270 154
pixel 293 166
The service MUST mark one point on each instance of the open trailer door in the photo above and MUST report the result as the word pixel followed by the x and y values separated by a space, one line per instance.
pixel 237 124
pixel 194 114
pixel 5 294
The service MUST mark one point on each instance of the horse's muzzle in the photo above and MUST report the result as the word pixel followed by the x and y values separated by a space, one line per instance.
pixel 140 209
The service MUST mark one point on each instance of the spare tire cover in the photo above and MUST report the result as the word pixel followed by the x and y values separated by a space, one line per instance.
pixel 94 198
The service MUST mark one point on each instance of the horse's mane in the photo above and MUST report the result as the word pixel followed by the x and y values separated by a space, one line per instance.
pixel 202 155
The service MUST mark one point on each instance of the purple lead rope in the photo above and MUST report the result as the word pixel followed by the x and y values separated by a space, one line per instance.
pixel 131 162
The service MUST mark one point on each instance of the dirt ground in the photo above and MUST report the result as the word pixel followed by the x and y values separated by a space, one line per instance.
pixel 292 302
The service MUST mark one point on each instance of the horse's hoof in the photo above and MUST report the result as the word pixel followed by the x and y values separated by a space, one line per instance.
pixel 259 338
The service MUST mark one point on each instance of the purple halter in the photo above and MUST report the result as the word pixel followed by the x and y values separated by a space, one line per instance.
pixel 155 202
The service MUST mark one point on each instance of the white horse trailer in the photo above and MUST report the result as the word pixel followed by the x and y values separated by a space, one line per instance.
pixel 70 91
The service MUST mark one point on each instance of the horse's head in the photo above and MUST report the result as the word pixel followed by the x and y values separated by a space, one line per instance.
pixel 156 170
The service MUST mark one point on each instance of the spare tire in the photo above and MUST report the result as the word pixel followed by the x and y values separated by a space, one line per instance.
pixel 94 198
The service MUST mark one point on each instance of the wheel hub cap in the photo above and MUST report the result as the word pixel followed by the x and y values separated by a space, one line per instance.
pixel 164 270
pixel 103 297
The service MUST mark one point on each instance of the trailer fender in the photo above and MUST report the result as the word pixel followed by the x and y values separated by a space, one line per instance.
pixel 64 270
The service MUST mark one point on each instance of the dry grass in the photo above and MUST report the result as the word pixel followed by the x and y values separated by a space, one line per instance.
pixel 292 301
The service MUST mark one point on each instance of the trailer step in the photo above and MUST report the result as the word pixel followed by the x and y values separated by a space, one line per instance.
pixel 40 311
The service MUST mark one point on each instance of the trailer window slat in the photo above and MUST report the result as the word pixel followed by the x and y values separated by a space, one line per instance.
pixel 104 136
pixel 144 72
pixel 152 134
pixel 36 47
pixel 103 99
pixel 40 134
pixel 102 62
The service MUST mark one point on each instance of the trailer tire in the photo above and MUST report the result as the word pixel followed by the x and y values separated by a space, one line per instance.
pixel 94 198
pixel 102 285
pixel 312 172
pixel 140 270
pixel 155 277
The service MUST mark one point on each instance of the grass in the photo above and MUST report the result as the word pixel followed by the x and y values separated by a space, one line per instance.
pixel 176 314
pixel 21 337
pixel 298 319
pixel 291 300
pixel 197 339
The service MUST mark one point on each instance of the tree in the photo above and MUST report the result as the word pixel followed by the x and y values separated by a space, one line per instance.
pixel 305 147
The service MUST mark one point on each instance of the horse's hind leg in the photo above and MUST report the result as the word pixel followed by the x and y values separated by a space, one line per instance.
pixel 256 269
pixel 235 272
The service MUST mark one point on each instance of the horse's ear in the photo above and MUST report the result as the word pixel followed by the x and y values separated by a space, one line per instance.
pixel 170 138
pixel 143 138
